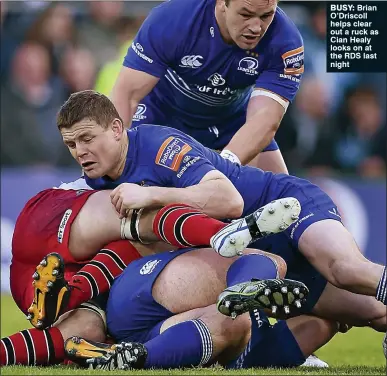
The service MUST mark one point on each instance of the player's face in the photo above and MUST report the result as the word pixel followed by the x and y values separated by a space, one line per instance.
pixel 98 150
pixel 246 21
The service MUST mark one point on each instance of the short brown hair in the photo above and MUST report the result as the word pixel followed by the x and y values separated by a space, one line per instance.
pixel 87 104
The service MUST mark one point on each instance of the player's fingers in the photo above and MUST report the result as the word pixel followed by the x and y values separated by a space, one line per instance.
pixel 119 206
pixel 114 192
pixel 123 210
pixel 115 198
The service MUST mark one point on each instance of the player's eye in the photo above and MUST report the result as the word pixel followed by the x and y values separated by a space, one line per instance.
pixel 71 145
pixel 245 16
pixel 265 16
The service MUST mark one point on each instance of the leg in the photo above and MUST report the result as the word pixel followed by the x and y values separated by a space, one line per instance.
pixel 179 279
pixel 353 309
pixel 331 249
pixel 46 347
pixel 97 224
pixel 311 333
pixel 270 161
pixel 53 295
pixel 285 344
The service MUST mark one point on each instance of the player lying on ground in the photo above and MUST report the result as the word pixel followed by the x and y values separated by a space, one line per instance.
pixel 175 224
pixel 175 168
pixel 202 83
pixel 153 310
pixel 70 221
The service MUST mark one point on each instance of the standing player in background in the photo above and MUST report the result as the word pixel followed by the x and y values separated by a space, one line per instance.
pixel 222 71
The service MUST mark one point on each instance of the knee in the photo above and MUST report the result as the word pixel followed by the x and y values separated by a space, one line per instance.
pixel 236 331
pixel 379 321
pixel 341 275
pixel 83 323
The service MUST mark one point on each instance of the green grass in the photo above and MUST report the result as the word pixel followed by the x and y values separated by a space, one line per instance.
pixel 358 352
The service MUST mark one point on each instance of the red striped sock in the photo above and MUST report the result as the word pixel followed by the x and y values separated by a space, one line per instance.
pixel 183 226
pixel 97 275
pixel 32 347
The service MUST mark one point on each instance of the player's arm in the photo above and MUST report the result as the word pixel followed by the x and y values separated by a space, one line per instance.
pixel 182 173
pixel 146 61
pixel 215 195
pixel 264 115
pixel 129 89
pixel 275 88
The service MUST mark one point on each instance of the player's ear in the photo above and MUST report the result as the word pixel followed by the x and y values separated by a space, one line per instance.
pixel 117 128
pixel 222 4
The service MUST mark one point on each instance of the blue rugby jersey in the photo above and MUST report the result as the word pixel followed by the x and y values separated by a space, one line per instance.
pixel 203 80
pixel 165 157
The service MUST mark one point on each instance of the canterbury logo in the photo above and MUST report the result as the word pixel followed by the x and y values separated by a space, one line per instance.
pixel 149 267
pixel 191 61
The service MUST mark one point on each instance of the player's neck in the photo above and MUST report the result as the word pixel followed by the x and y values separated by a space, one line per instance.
pixel 219 17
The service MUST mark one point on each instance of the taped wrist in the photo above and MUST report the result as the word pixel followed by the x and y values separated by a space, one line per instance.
pixel 227 154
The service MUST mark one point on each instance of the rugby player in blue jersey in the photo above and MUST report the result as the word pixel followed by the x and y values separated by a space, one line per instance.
pixel 163 308
pixel 173 167
pixel 222 71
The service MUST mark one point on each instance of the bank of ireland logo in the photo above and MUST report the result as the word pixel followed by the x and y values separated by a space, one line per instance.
pixel 248 65
pixel 139 115
pixel 191 61
pixel 139 47
pixel 216 79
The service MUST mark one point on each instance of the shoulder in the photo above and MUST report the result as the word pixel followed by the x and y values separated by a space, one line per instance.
pixel 283 33
pixel 177 17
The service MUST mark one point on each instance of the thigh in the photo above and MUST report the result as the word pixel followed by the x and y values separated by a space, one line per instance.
pixel 44 225
pixel 326 242
pixel 132 311
pixel 347 307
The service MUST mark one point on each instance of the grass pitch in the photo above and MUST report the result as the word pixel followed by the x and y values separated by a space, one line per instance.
pixel 358 352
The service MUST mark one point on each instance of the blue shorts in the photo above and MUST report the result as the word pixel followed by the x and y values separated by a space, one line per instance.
pixel 316 206
pixel 216 136
pixel 132 314
pixel 269 346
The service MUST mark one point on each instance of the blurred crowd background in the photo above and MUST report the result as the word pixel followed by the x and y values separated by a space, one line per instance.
pixel 336 125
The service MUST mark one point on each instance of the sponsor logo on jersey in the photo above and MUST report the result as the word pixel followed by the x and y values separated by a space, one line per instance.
pixel 63 223
pixel 216 79
pixel 139 115
pixel 149 267
pixel 172 152
pixel 188 164
pixel 248 65
pixel 290 77
pixel 294 61
pixel 191 61
pixel 212 31
pixel 138 49
pixel 299 222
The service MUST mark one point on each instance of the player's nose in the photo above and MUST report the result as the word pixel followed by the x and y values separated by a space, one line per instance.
pixel 255 27
pixel 80 151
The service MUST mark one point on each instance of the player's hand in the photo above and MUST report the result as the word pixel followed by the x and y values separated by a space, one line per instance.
pixel 130 196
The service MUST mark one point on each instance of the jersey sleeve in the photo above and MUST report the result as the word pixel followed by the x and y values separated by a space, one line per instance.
pixel 178 161
pixel 284 71
pixel 152 50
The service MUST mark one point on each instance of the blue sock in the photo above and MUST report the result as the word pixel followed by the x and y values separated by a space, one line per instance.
pixel 269 346
pixel 251 266
pixel 381 291
pixel 187 344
